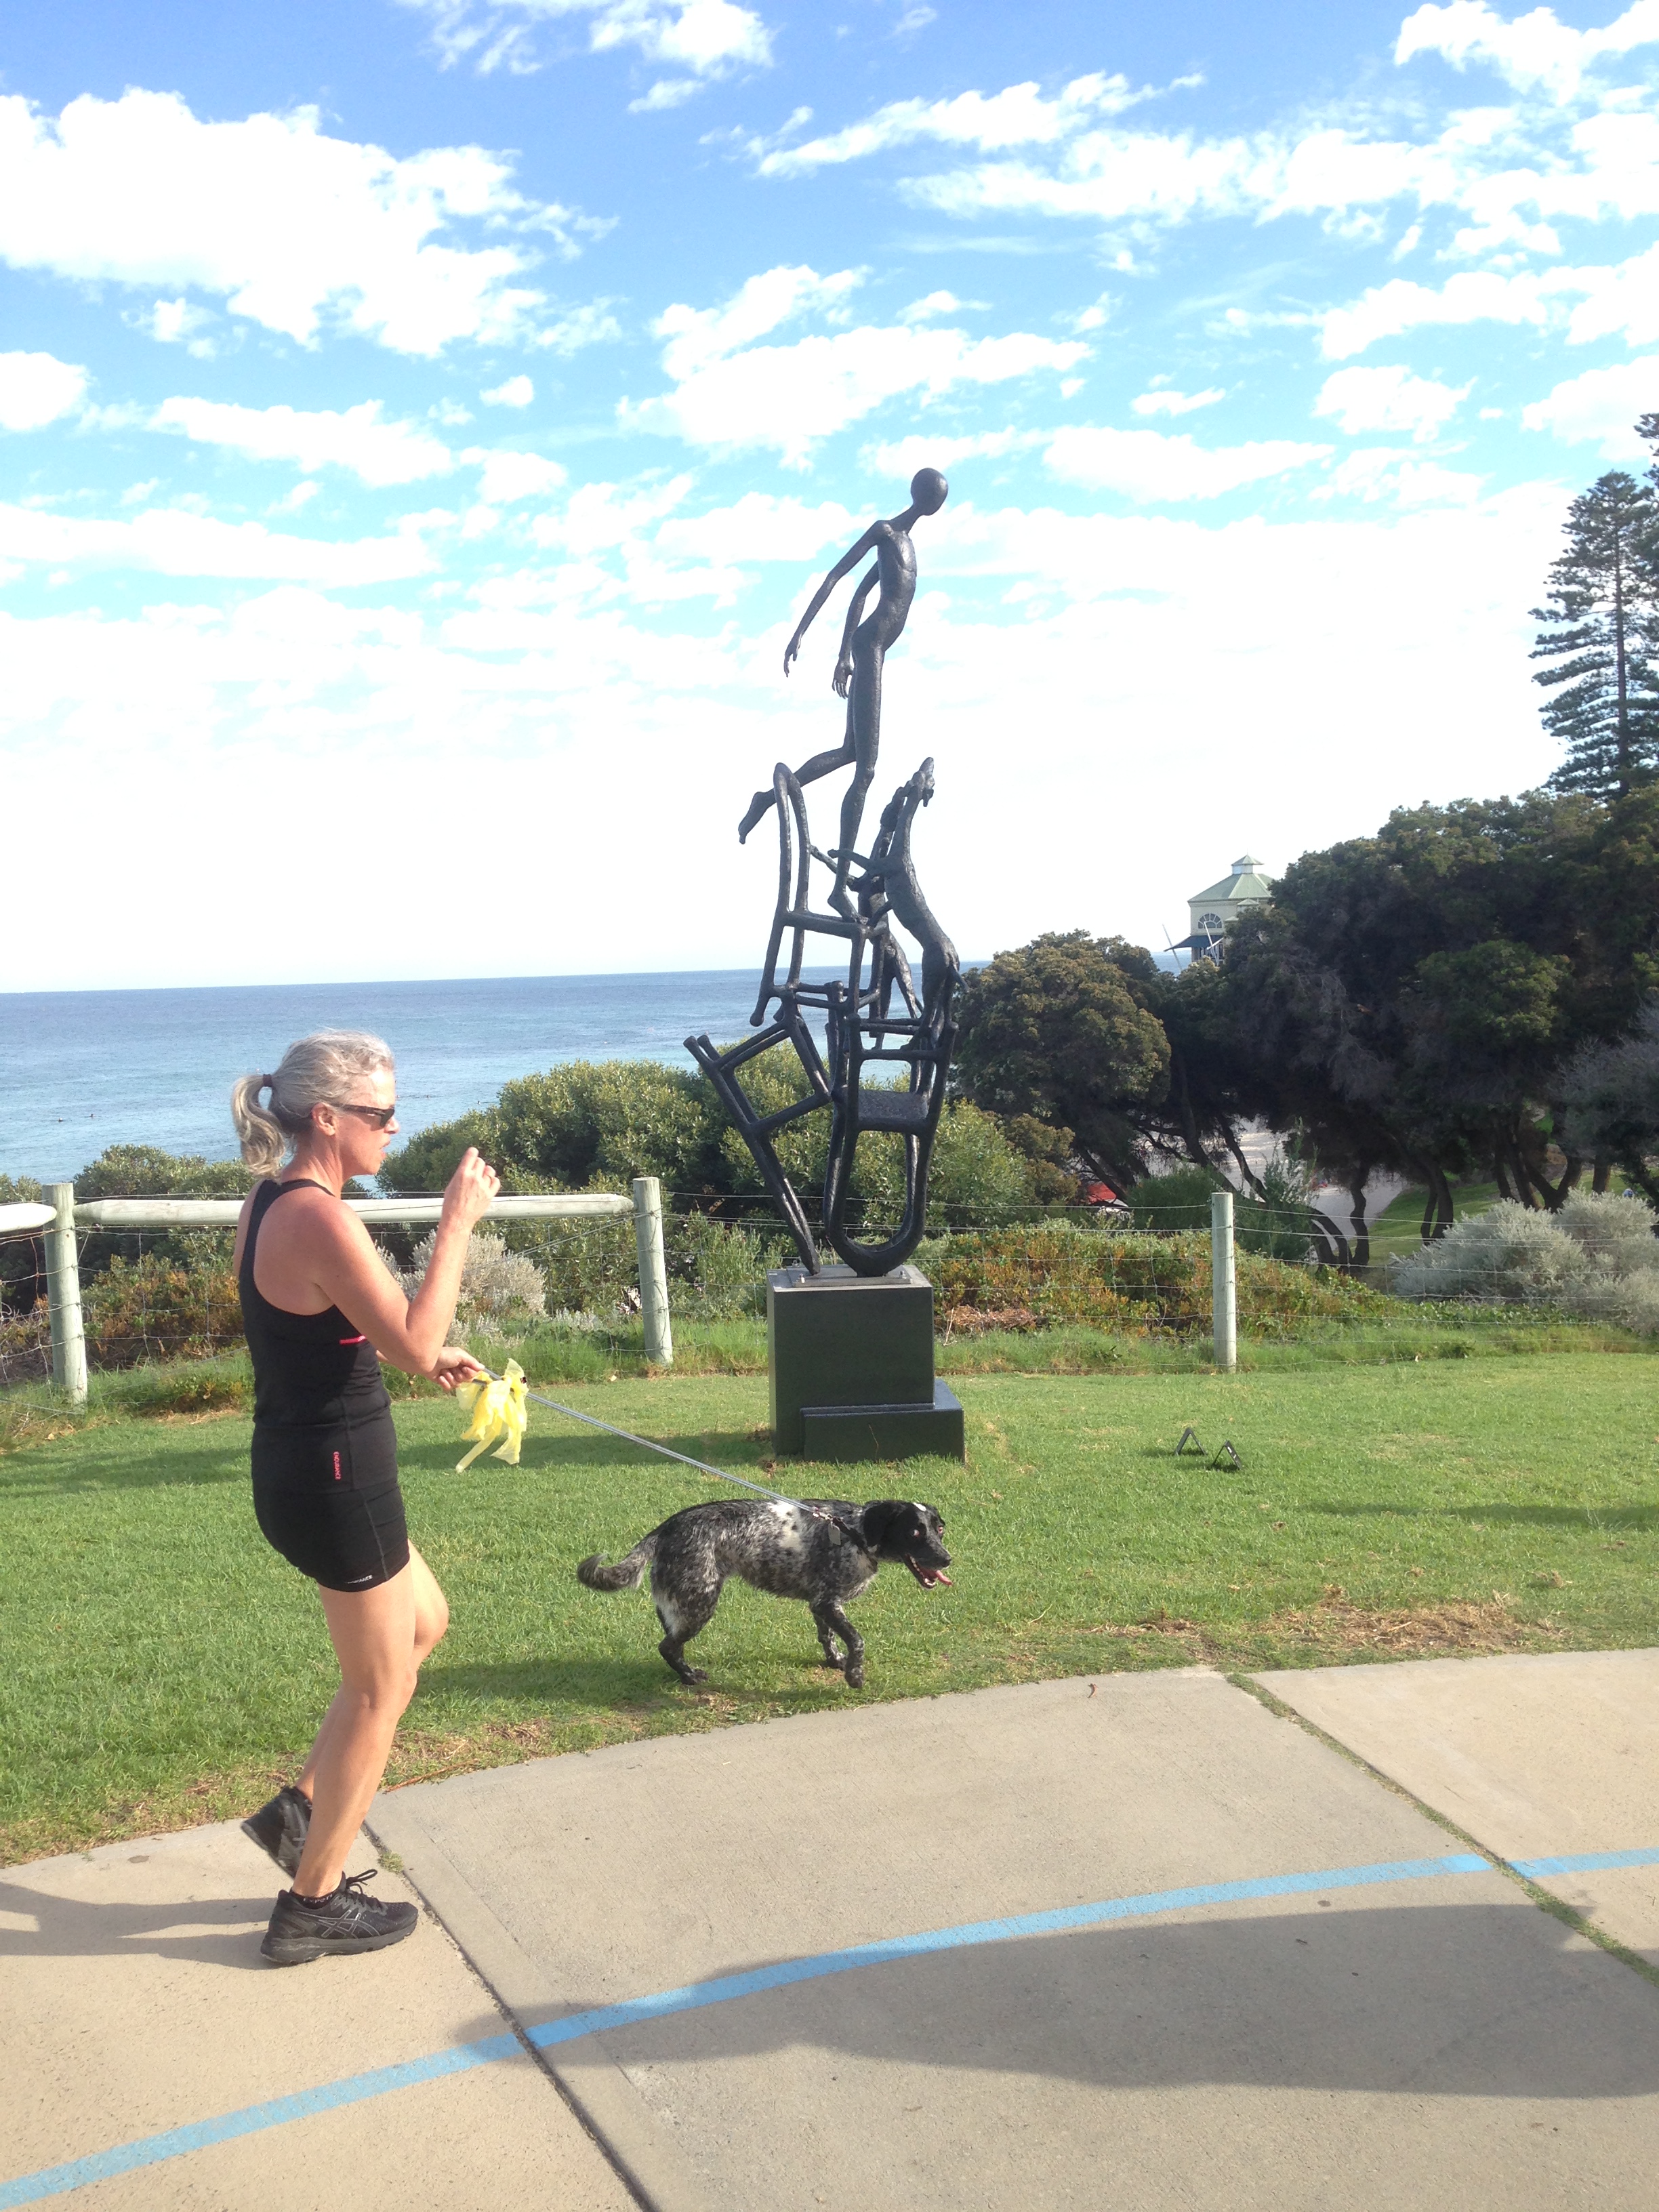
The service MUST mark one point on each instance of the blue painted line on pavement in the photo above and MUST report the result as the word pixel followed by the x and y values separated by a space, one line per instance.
pixel 1584 1862
pixel 697 1995
pixel 151 2150
pixel 457 2058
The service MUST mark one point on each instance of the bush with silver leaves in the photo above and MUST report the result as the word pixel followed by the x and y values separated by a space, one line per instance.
pixel 1598 1259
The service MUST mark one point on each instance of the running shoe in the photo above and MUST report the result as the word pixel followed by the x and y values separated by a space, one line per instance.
pixel 344 1922
pixel 280 1828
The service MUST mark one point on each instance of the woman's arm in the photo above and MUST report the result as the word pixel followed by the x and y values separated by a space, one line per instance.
pixel 411 1334
pixel 849 560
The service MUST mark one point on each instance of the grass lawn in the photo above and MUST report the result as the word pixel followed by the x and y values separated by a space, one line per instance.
pixel 159 1664
pixel 1398 1229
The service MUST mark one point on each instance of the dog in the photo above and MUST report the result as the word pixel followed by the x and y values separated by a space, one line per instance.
pixel 824 1551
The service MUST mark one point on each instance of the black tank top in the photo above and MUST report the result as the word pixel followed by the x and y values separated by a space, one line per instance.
pixel 310 1370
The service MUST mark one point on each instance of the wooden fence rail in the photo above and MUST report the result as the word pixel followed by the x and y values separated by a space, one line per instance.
pixel 61 1216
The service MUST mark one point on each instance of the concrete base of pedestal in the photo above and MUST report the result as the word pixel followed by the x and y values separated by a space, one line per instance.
pixel 851 1362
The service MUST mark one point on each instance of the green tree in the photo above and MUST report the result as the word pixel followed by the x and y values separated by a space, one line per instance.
pixel 1057 1030
pixel 1600 639
pixel 1412 1000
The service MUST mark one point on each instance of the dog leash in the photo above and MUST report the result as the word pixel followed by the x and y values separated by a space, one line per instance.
pixel 627 1436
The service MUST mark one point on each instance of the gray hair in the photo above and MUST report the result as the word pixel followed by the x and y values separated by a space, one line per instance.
pixel 312 1072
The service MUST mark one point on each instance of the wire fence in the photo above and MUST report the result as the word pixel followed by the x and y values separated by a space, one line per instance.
pixel 151 1296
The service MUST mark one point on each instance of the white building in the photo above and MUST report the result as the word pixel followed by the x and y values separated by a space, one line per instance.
pixel 1212 908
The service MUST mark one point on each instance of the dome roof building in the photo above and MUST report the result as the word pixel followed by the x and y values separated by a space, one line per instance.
pixel 1212 908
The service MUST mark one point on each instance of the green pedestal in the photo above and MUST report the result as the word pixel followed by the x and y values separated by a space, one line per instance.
pixel 851 1361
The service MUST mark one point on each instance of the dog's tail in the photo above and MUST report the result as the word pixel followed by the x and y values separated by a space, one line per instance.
pixel 626 1574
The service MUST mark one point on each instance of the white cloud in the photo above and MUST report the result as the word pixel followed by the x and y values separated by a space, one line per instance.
pixel 759 526
pixel 931 307
pixel 294 229
pixel 1620 299
pixel 667 92
pixel 731 393
pixel 1151 465
pixel 175 543
pixel 517 391
pixel 699 335
pixel 1388 399
pixel 1513 172
pixel 354 438
pixel 1536 49
pixel 179 322
pixel 593 324
pixel 1174 403
pixel 1603 403
pixel 904 456
pixel 37 388
pixel 509 475
pixel 709 38
pixel 1019 116
pixel 1390 472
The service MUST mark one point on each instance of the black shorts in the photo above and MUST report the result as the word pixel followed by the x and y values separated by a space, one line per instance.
pixel 328 1502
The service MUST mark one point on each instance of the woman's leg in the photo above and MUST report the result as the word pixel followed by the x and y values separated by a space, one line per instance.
pixel 381 1636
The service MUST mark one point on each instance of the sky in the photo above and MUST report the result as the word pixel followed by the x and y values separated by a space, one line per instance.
pixel 422 423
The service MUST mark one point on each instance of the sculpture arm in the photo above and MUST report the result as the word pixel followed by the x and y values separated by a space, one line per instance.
pixel 843 675
pixel 849 560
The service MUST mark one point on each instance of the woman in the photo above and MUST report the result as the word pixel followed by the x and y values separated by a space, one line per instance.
pixel 321 1311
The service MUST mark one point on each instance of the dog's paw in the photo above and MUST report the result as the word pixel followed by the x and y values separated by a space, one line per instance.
pixel 854 1677
pixel 695 1674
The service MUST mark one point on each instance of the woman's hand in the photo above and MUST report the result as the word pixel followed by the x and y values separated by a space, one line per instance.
pixel 472 1190
pixel 792 652
pixel 842 678
pixel 452 1365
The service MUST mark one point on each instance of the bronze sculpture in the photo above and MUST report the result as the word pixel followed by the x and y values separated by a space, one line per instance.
pixel 876 1015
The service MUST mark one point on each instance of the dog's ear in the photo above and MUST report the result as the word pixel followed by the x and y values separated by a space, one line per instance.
pixel 878 1518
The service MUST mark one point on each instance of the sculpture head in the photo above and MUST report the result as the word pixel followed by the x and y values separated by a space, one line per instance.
pixel 928 491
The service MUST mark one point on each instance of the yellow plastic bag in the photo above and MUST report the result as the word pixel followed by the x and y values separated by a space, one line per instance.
pixel 499 1415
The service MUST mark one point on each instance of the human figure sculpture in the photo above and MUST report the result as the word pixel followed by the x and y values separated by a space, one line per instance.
pixel 864 644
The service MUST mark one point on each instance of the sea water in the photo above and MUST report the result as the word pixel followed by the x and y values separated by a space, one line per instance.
pixel 81 1070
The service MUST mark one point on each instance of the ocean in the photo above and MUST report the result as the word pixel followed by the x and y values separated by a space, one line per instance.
pixel 81 1070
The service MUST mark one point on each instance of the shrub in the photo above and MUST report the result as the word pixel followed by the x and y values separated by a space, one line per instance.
pixel 594 1125
pixel 22 1258
pixel 142 1171
pixel 159 1307
pixel 1046 1276
pixel 26 1347
pixel 499 1288
pixel 1598 1258
pixel 1176 1202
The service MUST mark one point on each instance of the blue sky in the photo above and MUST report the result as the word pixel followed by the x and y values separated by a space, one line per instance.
pixel 422 421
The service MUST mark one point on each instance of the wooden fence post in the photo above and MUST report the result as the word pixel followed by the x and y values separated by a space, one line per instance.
pixel 68 1343
pixel 653 1271
pixel 1224 1282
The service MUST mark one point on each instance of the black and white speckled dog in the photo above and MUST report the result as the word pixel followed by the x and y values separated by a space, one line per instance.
pixel 824 1551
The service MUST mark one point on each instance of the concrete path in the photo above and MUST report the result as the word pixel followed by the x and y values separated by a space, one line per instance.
pixel 1535 1758
pixel 134 2003
pixel 1138 1941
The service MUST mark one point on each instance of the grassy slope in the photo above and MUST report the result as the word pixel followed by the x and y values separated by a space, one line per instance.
pixel 158 1663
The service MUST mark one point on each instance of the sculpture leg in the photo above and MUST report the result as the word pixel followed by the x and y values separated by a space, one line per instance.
pixel 864 743
pixel 820 764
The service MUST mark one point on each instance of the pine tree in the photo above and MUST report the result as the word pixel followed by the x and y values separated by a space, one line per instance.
pixel 1602 637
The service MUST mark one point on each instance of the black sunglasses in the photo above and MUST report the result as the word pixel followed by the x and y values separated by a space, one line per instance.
pixel 379 1115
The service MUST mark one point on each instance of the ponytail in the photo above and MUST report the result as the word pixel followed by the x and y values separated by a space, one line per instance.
pixel 312 1072
pixel 263 1141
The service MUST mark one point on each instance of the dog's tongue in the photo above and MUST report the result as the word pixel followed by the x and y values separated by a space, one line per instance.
pixel 940 1575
